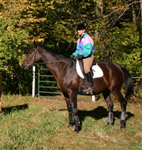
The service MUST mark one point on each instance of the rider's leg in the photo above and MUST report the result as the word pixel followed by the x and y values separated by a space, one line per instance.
pixel 87 68
pixel 89 78
pixel 89 89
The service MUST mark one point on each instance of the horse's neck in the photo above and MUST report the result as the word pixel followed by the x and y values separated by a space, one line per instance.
pixel 51 58
pixel 53 62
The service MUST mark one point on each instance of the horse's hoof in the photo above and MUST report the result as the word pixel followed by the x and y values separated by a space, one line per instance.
pixel 123 129
pixel 111 123
pixel 122 124
pixel 77 129
pixel 70 124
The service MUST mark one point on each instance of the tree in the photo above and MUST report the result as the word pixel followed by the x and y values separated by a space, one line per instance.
pixel 114 25
pixel 12 43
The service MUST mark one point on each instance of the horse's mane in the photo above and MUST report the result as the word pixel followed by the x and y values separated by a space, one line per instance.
pixel 54 52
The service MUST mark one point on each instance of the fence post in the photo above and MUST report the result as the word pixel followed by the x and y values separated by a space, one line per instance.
pixel 33 83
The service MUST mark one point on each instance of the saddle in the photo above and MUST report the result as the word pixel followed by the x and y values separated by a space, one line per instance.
pixel 95 69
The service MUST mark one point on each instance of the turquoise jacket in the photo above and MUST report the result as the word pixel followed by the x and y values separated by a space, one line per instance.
pixel 85 47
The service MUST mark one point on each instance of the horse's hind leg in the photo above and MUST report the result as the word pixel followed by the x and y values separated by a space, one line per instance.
pixel 123 104
pixel 107 97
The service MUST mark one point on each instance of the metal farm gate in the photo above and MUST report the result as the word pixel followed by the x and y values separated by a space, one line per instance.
pixel 47 85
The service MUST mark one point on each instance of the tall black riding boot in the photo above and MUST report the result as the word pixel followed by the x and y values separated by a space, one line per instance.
pixel 89 89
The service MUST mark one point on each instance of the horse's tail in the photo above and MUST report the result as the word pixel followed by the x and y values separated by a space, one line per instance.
pixel 129 86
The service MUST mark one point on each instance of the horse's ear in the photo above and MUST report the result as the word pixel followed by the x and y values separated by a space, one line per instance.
pixel 35 44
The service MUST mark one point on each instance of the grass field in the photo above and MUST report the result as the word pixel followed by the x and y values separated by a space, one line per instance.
pixel 42 124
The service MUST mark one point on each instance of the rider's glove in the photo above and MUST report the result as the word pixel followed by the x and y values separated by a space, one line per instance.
pixel 71 56
pixel 79 57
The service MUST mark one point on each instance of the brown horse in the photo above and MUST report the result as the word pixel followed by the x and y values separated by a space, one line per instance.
pixel 68 81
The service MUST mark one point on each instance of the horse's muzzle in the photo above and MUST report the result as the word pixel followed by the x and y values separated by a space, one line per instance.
pixel 25 66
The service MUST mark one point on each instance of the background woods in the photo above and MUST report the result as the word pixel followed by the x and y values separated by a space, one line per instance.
pixel 116 27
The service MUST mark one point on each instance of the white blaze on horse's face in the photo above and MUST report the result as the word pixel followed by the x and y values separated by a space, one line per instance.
pixel 30 59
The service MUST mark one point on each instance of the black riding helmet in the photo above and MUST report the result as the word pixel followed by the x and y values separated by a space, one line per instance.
pixel 81 26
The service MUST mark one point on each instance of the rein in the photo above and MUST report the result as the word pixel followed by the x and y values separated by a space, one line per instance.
pixel 50 62
pixel 34 55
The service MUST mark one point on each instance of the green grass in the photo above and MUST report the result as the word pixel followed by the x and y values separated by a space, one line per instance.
pixel 42 124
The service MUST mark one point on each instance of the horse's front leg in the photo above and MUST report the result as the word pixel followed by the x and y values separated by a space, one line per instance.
pixel 75 112
pixel 70 112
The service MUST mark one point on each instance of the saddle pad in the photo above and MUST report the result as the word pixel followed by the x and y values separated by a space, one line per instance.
pixel 97 71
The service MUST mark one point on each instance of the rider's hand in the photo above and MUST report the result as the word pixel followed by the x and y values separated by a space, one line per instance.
pixel 71 56
pixel 79 57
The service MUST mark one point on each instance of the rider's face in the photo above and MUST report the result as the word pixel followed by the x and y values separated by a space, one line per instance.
pixel 80 32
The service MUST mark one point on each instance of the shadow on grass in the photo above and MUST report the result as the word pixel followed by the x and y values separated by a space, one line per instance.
pixel 97 113
pixel 8 110
pixel 101 112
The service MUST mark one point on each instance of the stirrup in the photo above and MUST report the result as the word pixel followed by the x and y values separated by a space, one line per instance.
pixel 89 90
pixel 81 89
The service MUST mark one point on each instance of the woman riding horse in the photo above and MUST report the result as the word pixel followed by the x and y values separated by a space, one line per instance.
pixel 85 51
pixel 68 81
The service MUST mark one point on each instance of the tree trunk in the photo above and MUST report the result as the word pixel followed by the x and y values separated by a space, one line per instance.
pixel 140 23
pixel 134 14
pixel 99 8
pixel 99 14
pixel 141 11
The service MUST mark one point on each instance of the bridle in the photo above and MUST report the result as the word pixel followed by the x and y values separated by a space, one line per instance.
pixel 33 56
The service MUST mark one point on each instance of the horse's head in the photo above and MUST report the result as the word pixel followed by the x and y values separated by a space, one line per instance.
pixel 32 57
